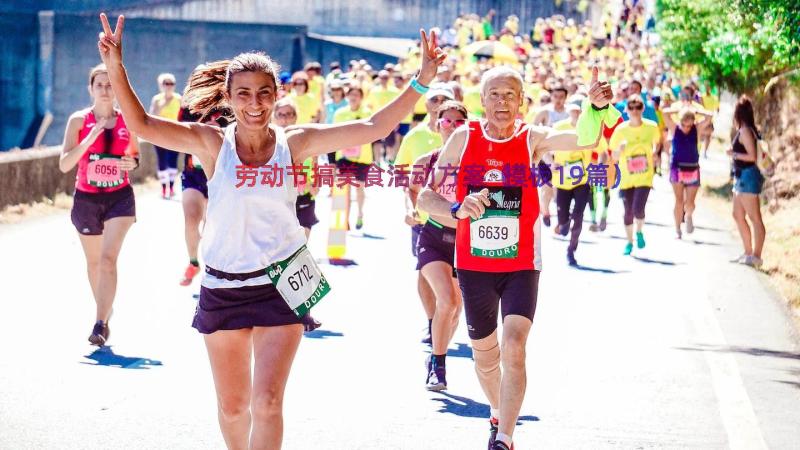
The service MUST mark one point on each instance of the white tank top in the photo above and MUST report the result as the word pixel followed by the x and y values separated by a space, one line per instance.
pixel 554 116
pixel 249 228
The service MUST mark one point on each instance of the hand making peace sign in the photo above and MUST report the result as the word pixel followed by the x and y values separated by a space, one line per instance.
pixel 110 43
pixel 432 57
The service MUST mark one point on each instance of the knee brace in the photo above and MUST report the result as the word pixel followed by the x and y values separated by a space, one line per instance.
pixel 486 361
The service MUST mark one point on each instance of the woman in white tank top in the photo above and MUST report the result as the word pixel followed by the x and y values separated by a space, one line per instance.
pixel 251 228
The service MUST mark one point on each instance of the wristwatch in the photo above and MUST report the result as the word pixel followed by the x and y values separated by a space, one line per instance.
pixel 454 209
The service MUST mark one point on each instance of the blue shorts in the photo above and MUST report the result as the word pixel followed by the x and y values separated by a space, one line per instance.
pixel 748 181
pixel 403 128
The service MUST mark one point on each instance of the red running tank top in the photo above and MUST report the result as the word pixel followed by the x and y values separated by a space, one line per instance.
pixel 98 168
pixel 506 238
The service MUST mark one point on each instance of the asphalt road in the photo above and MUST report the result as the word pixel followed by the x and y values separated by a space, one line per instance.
pixel 673 347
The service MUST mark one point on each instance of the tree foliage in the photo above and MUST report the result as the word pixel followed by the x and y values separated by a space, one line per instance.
pixel 737 44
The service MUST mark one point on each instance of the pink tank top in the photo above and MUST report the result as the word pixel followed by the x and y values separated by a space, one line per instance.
pixel 98 169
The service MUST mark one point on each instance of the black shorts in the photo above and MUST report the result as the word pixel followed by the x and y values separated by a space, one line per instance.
pixel 359 169
pixel 194 179
pixel 304 207
pixel 388 141
pixel 415 231
pixel 486 292
pixel 436 244
pixel 243 307
pixel 544 174
pixel 419 117
pixel 91 210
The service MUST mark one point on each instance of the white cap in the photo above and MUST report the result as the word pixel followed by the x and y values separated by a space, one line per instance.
pixel 442 89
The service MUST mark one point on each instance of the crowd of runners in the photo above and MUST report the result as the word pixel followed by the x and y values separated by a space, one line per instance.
pixel 490 126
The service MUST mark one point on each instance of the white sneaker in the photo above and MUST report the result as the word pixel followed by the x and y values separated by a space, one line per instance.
pixel 739 259
pixel 753 261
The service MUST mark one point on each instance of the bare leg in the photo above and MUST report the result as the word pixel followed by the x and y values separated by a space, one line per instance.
pixel 92 247
pixel 439 276
pixel 114 234
pixel 229 353
pixel 678 210
pixel 194 210
pixel 275 348
pixel 752 207
pixel 426 295
pixel 741 224
pixel 515 379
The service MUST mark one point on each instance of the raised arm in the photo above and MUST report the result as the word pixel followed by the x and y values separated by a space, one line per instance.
pixel 545 139
pixel 315 139
pixel 187 137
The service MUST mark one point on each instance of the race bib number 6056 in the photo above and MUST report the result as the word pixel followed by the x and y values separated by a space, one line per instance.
pixel 299 281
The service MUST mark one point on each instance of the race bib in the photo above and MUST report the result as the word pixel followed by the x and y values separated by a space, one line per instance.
pixel 352 152
pixel 299 281
pixel 574 170
pixel 637 164
pixel 103 170
pixel 496 233
pixel 689 176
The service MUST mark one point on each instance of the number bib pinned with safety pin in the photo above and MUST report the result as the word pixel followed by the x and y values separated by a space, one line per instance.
pixel 299 281
pixel 103 170
pixel 496 233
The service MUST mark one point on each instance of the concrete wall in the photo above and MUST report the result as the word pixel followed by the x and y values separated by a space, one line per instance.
pixel 153 47
pixel 18 60
pixel 326 52
pixel 32 175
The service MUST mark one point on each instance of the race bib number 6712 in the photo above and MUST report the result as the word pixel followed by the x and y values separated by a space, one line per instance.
pixel 299 281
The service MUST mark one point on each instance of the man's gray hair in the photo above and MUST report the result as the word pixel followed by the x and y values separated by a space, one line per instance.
pixel 500 72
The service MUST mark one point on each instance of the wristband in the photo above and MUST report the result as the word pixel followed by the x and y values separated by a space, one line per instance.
pixel 454 209
pixel 422 90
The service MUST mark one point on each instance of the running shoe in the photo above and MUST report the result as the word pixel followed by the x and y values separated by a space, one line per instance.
pixel 563 230
pixel 546 220
pixel 500 445
pixel 310 323
pixel 739 259
pixel 639 239
pixel 603 224
pixel 493 427
pixel 752 261
pixel 171 192
pixel 593 227
pixel 359 223
pixel 571 258
pixel 436 381
pixel 189 274
pixel 100 333
pixel 628 248
pixel 689 224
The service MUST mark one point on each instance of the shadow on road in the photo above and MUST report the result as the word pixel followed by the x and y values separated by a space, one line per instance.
pixel 368 236
pixel 656 224
pixel 656 261
pixel 462 351
pixel 597 269
pixel 752 351
pixel 322 334
pixel 338 262
pixel 105 356
pixel 695 241
pixel 466 407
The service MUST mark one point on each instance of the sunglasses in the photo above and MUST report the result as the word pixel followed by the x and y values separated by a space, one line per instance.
pixel 437 99
pixel 285 116
pixel 168 83
pixel 444 122
pixel 635 106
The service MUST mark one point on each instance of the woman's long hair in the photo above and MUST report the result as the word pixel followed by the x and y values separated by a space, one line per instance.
pixel 743 114
pixel 209 83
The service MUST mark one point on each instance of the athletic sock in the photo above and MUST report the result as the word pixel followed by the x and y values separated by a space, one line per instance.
pixel 430 325
pixel 438 361
pixel 495 413
pixel 194 262
pixel 505 438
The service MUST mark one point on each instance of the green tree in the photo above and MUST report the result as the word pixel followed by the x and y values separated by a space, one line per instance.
pixel 736 44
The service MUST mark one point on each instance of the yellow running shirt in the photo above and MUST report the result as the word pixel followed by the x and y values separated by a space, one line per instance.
pixel 636 160
pixel 568 160
pixel 419 141
pixel 307 107
pixel 380 97
pixel 360 154
pixel 171 109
